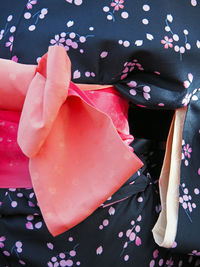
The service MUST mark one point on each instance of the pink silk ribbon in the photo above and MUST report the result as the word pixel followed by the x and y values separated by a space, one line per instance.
pixel 76 157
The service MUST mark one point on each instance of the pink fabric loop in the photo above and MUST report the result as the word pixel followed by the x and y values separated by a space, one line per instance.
pixel 77 158
pixel 46 93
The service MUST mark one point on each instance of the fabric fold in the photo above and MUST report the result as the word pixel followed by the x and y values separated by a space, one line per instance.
pixel 165 229
pixel 77 158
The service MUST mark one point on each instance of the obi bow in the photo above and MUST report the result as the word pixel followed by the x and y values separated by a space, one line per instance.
pixel 76 157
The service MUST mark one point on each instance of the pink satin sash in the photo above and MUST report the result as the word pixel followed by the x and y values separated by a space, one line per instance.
pixel 76 157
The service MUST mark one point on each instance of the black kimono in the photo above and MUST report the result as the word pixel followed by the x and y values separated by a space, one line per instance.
pixel 150 52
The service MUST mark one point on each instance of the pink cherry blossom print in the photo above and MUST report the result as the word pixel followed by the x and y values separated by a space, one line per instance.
pixel 30 4
pixel 57 40
pixel 186 99
pixel 138 241
pixel 187 151
pixel 169 263
pixel 50 246
pixel 167 42
pixel 193 2
pixel 14 58
pixel 2 239
pixel 117 4
pixel 103 54
pixel 29 225
pixel 10 43
pixel 99 250
pixel 146 91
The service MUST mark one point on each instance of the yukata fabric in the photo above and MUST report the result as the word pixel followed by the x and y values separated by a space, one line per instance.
pixel 150 52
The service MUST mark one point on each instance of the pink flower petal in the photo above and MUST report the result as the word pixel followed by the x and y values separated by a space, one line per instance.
pixel 190 77
pixel 2 238
pixel 186 84
pixel 50 246
pixel 38 225
pixel 29 225
pixel 99 250
pixel 7 44
pixel 11 38
pixel 155 254
pixel 138 241
pixel 15 58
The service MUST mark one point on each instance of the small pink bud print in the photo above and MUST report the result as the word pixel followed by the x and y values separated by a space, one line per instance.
pixel 29 225
pixel 138 241
pixel 99 250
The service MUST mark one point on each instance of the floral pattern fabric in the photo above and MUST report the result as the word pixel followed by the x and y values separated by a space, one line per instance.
pixel 150 52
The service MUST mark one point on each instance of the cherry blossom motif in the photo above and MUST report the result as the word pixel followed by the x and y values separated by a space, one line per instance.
pixel 106 222
pixel 195 94
pixel 111 210
pixel 99 250
pixel 50 246
pixel 30 225
pixel 149 36
pixel 76 2
pixel 30 4
pixel 35 17
pixel 156 259
pixel 179 48
pixel 167 42
pixel 104 54
pixel 89 74
pixel 117 4
pixel 187 150
pixel 174 245
pixel 131 235
pixel 2 239
pixel 1 34
pixel 188 82
pixel 125 43
pixel 76 74
pixel 70 40
pixel 139 42
pixel 169 262
pixel 57 40
pixel 7 30
pixel 129 67
pixel 15 249
pixel 70 23
pixel 67 258
pixel 22 262
pixel 186 99
pixel 14 58
pixel 193 2
pixel 13 203
pixel 146 90
pixel 31 204
pixel 10 43
pixel 18 246
pixel 185 200
pixel 195 253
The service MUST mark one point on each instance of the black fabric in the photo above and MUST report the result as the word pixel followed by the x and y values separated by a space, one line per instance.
pixel 150 52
